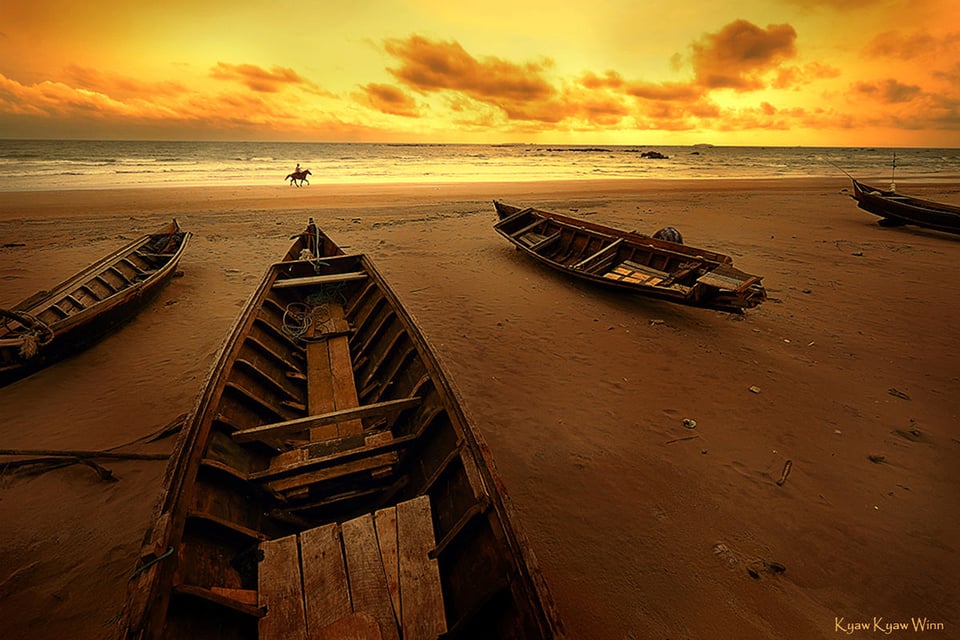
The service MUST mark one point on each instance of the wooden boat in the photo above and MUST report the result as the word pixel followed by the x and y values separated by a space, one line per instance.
pixel 630 261
pixel 329 485
pixel 896 209
pixel 76 313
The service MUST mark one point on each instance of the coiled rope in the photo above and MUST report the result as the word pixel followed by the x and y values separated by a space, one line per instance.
pixel 33 333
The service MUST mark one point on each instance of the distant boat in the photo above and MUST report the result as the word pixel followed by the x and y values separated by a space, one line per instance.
pixel 81 310
pixel 630 261
pixel 328 483
pixel 896 209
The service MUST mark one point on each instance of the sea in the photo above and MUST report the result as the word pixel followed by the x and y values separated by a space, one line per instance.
pixel 31 165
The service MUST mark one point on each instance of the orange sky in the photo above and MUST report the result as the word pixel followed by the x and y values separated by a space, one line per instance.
pixel 753 72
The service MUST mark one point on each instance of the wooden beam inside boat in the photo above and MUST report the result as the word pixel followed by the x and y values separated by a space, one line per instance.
pixel 545 242
pixel 312 280
pixel 606 250
pixel 310 422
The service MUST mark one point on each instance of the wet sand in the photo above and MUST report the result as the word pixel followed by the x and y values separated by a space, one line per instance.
pixel 644 528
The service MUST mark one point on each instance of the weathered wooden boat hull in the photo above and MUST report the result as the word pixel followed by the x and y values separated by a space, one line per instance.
pixel 323 340
pixel 78 312
pixel 629 261
pixel 896 209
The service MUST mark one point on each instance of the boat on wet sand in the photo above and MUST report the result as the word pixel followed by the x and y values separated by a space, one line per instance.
pixel 328 483
pixel 896 209
pixel 73 315
pixel 629 261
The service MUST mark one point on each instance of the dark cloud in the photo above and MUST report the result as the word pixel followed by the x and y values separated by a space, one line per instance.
pixel 257 78
pixel 909 46
pixel 888 91
pixel 737 56
pixel 664 91
pixel 389 99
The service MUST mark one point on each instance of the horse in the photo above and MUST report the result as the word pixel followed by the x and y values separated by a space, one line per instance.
pixel 299 177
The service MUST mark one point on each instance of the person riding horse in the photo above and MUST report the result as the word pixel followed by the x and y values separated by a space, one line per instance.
pixel 299 176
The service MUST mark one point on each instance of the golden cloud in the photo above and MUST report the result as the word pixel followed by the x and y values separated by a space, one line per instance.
pixel 118 86
pixel 257 78
pixel 438 66
pixel 737 56
pixel 389 99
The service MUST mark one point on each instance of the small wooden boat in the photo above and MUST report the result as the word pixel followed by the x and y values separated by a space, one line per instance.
pixel 329 485
pixel 896 209
pixel 630 261
pixel 52 324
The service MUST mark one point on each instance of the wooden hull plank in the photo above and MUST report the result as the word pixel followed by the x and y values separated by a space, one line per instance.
pixel 368 582
pixel 280 591
pixel 326 591
pixel 421 596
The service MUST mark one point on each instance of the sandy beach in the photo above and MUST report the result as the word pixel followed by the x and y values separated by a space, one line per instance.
pixel 643 528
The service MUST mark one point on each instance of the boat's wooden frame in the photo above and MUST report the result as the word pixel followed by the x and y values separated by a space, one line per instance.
pixel 896 209
pixel 81 310
pixel 629 261
pixel 327 417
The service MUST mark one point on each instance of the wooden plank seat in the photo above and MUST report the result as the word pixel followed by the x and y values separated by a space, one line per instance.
pixel 531 238
pixel 368 578
pixel 268 432
pixel 546 242
pixel 315 280
pixel 728 278
pixel 605 251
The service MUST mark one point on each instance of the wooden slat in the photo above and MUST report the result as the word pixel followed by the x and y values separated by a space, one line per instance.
pixel 368 583
pixel 280 590
pixel 325 587
pixel 344 384
pixel 330 383
pixel 529 227
pixel 321 475
pixel 545 242
pixel 319 379
pixel 217 596
pixel 277 429
pixel 720 281
pixel 606 250
pixel 421 596
pixel 386 522
pixel 356 626
pixel 312 280
pixel 245 596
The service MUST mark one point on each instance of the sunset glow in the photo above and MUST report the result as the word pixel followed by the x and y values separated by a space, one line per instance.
pixel 750 72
